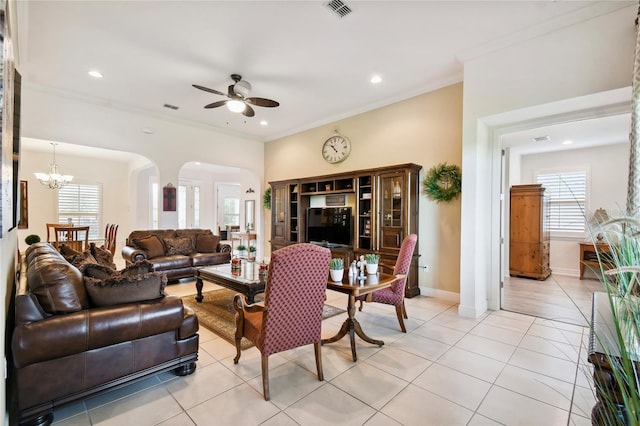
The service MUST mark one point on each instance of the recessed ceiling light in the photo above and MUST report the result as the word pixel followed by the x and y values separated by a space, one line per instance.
pixel 197 163
pixel 264 123
pixel 376 79
pixel 567 142
pixel 147 130
pixel 95 74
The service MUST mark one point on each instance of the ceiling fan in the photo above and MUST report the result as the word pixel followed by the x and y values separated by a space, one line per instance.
pixel 238 100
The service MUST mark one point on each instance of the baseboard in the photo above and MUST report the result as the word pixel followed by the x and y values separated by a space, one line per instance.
pixel 565 271
pixel 440 294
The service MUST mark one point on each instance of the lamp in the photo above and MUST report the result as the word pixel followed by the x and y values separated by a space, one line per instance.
pixel 53 179
pixel 235 105
pixel 598 217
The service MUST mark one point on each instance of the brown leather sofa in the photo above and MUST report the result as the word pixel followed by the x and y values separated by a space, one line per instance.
pixel 177 253
pixel 76 335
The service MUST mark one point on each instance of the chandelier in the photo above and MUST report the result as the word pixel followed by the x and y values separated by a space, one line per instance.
pixel 53 179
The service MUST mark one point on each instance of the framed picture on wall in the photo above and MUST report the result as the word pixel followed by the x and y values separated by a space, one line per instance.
pixel 23 222
pixel 169 198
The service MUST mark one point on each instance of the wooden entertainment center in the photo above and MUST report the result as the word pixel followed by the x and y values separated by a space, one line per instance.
pixel 384 203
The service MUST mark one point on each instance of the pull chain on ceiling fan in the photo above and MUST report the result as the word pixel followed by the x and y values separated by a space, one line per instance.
pixel 237 97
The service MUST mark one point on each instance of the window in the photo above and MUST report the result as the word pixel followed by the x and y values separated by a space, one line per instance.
pixel 182 206
pixel 155 205
pixel 231 211
pixel 81 205
pixel 567 197
pixel 188 205
pixel 196 207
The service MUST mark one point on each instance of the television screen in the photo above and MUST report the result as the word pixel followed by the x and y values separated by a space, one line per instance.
pixel 329 225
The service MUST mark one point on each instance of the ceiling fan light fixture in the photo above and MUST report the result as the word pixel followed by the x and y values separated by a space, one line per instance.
pixel 242 88
pixel 235 105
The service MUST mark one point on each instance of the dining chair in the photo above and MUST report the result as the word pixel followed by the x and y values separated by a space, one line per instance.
pixel 110 232
pixel 394 295
pixel 75 237
pixel 291 314
pixel 51 232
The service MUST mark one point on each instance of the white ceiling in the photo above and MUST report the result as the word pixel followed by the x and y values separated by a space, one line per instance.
pixel 299 53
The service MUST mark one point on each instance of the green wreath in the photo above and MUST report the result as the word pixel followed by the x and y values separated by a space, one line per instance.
pixel 266 198
pixel 442 182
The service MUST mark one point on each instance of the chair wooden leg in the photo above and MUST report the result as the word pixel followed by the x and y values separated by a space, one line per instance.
pixel 265 377
pixel 317 346
pixel 404 311
pixel 360 308
pixel 399 313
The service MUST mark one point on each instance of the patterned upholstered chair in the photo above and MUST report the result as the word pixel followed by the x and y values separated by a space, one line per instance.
pixel 291 314
pixel 394 295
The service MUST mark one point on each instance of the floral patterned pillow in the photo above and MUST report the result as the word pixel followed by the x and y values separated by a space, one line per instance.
pixel 180 245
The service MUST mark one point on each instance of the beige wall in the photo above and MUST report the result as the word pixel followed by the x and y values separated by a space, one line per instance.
pixel 425 130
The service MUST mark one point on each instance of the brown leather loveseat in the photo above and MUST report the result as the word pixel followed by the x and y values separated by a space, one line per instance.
pixel 176 252
pixel 78 333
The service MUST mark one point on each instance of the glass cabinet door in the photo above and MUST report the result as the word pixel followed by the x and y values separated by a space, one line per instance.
pixel 392 194
pixel 278 203
pixel 392 205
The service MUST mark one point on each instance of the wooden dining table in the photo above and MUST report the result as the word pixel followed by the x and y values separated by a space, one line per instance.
pixel 353 286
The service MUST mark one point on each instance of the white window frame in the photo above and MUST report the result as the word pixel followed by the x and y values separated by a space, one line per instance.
pixel 154 203
pixel 568 197
pixel 82 215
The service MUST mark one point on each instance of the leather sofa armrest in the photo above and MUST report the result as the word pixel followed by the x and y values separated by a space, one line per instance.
pixel 132 255
pixel 28 309
pixel 224 248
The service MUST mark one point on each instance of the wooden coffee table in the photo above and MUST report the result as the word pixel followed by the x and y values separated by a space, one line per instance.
pixel 246 281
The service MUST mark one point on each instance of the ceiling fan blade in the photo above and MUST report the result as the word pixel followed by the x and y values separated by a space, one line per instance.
pixel 248 111
pixel 206 89
pixel 215 104
pixel 263 102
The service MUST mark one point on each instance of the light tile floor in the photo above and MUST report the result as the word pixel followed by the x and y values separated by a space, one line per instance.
pixel 503 368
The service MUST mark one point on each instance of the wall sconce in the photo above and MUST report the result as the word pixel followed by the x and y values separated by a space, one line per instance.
pixel 250 191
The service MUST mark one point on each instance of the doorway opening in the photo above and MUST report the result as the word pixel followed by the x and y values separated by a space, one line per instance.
pixel 562 296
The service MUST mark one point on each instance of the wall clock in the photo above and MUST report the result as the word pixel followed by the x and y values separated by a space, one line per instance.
pixel 336 149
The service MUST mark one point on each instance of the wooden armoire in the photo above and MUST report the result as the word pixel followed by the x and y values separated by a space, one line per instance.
pixel 529 232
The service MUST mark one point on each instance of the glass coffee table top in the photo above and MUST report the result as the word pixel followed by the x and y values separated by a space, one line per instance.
pixel 249 272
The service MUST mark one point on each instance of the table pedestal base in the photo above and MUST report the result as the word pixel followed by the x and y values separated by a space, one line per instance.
pixel 352 326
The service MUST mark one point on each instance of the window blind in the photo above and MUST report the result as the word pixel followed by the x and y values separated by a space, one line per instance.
pixel 567 194
pixel 81 205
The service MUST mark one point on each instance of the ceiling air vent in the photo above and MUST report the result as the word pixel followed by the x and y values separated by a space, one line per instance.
pixel 170 106
pixel 339 8
pixel 542 139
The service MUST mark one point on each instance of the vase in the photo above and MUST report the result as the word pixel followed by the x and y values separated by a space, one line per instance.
pixel 372 268
pixel 336 274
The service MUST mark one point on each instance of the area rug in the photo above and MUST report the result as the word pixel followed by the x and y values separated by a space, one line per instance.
pixel 217 314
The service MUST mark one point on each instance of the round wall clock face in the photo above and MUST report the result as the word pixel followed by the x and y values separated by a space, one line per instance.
pixel 336 149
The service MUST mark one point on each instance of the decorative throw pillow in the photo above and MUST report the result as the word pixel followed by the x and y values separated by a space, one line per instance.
pixel 180 245
pixel 102 255
pixel 103 272
pixel 151 245
pixel 206 243
pixel 76 258
pixel 125 289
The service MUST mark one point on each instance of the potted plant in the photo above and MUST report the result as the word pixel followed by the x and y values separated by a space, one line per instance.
pixel 372 263
pixel 32 239
pixel 241 249
pixel 617 346
pixel 336 269
pixel 252 251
